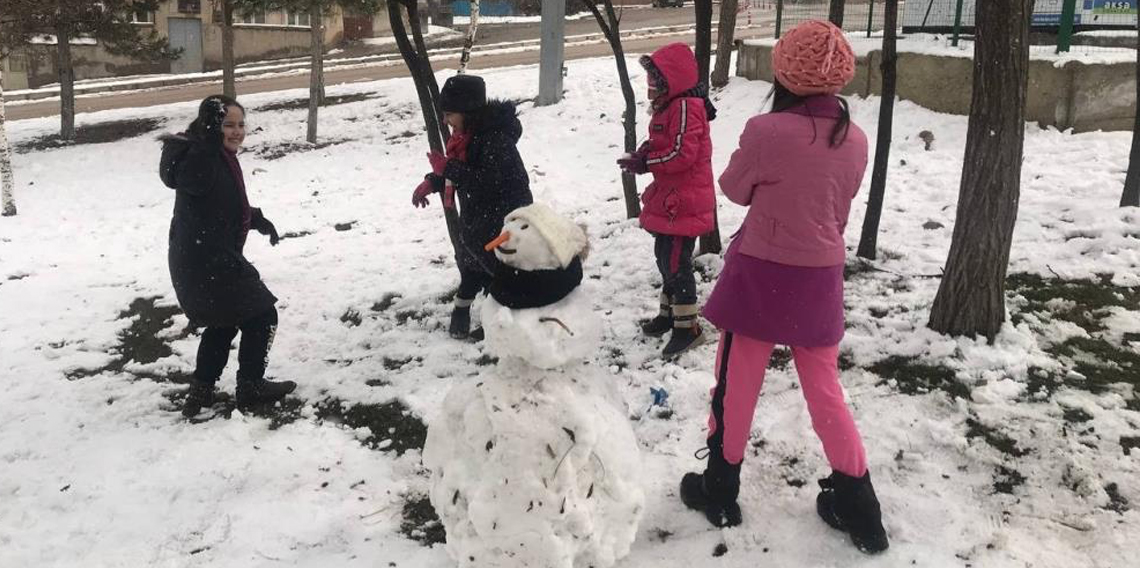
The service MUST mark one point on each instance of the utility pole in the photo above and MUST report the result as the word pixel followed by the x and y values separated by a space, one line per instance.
pixel 553 52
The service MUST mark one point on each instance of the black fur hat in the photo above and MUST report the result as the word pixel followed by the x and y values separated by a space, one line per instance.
pixel 463 93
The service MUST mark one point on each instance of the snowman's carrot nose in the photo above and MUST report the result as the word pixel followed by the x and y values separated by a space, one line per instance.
pixel 498 241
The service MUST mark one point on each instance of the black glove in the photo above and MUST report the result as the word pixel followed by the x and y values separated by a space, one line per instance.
pixel 211 115
pixel 259 223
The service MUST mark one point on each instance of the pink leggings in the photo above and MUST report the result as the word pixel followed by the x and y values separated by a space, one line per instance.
pixel 740 365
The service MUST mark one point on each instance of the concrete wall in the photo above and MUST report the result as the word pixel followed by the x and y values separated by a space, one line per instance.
pixel 1080 96
pixel 89 61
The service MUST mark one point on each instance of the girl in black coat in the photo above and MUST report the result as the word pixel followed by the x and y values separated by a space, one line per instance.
pixel 216 286
pixel 484 168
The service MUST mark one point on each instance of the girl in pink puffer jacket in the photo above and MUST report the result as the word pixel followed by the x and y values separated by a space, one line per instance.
pixel 680 204
pixel 797 170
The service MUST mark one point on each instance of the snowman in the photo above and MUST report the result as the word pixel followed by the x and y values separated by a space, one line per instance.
pixel 534 464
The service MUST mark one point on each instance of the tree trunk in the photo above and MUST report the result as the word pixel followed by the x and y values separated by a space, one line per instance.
pixel 229 81
pixel 703 9
pixel 412 60
pixel 971 298
pixel 469 40
pixel 835 12
pixel 709 243
pixel 868 242
pixel 610 28
pixel 316 67
pixel 1131 195
pixel 419 66
pixel 425 67
pixel 726 32
pixel 66 83
pixel 7 184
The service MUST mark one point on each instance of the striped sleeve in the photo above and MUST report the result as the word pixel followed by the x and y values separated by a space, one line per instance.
pixel 684 131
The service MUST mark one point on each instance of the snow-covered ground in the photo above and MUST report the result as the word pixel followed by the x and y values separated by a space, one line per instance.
pixel 98 469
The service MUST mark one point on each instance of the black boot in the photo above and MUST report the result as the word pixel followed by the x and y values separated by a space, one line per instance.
pixel 686 332
pixel 849 504
pixel 460 326
pixel 258 391
pixel 715 491
pixel 662 322
pixel 200 395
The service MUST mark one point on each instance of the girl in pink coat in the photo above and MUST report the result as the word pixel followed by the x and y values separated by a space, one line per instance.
pixel 797 170
pixel 679 205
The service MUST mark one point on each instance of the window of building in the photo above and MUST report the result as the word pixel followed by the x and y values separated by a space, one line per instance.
pixel 142 17
pixel 253 18
pixel 299 19
pixel 189 6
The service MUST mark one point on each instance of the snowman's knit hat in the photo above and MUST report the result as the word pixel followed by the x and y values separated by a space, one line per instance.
pixel 566 239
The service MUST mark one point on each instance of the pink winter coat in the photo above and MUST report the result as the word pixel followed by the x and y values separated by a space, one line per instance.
pixel 681 200
pixel 797 187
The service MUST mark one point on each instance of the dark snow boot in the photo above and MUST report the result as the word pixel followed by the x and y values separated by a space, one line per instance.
pixel 662 322
pixel 460 326
pixel 256 392
pixel 849 504
pixel 715 491
pixel 200 395
pixel 687 333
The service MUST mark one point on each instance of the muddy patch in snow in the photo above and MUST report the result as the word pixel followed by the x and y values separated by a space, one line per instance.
pixel 420 523
pixel 143 342
pixel 390 426
pixel 300 104
pixel 914 377
pixel 98 133
pixel 270 152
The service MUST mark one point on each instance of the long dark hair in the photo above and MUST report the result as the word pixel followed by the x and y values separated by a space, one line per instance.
pixel 783 99
pixel 206 109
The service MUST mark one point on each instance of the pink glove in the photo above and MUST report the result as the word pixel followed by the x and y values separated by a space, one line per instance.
pixel 438 162
pixel 419 196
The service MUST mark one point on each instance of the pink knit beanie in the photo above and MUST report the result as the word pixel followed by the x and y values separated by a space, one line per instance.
pixel 814 59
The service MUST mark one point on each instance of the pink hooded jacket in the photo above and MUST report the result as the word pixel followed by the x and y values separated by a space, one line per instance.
pixel 797 187
pixel 681 200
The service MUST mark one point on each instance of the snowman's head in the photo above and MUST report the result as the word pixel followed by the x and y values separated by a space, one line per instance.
pixel 535 237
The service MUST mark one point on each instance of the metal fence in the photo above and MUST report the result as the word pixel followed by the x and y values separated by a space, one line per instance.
pixel 858 15
pixel 1068 25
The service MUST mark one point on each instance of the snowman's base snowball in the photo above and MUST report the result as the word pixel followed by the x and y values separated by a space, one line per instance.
pixel 535 469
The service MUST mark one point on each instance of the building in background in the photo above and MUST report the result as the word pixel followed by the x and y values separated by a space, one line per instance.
pixel 192 25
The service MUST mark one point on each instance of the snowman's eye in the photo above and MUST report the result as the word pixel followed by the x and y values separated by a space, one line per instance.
pixel 524 227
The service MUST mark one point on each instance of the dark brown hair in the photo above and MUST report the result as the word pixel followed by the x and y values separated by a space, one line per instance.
pixel 783 100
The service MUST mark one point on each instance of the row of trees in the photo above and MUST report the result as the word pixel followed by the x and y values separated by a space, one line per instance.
pixel 971 296
pixel 64 21
pixel 109 23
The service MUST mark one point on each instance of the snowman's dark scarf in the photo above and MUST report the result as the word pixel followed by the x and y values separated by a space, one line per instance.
pixel 521 289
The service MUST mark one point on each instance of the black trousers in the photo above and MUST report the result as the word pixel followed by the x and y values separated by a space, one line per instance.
pixel 253 354
pixel 675 261
pixel 472 281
